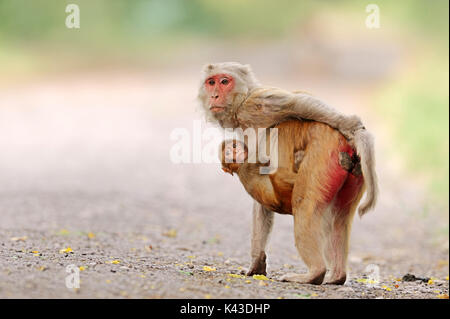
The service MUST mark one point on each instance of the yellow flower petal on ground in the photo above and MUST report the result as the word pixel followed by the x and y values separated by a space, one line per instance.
pixel 248 281
pixel 220 253
pixel 314 295
pixel 172 233
pixel 430 282
pixel 82 268
pixel 386 288
pixel 191 257
pixel 65 251
pixel 446 278
pixel 263 283
pixel 260 277
pixel 63 232
pixel 108 281
pixel 207 268
pixel 443 296
pixel 35 252
pixel 227 287
pixel 91 235
pixel 208 296
pixel 236 276
pixel 115 262
pixel 23 238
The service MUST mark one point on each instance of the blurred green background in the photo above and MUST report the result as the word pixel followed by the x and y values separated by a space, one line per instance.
pixel 409 95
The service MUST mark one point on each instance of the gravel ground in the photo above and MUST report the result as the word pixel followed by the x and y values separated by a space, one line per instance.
pixel 85 164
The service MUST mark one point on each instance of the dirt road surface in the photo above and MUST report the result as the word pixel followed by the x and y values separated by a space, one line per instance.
pixel 85 164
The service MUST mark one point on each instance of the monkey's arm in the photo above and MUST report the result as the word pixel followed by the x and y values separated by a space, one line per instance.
pixel 269 106
pixel 311 108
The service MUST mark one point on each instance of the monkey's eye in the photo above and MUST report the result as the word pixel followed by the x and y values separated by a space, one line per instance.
pixel 225 81
pixel 234 145
pixel 211 82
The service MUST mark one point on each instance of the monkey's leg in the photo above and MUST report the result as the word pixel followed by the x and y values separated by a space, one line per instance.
pixel 262 225
pixel 308 240
pixel 336 249
pixel 340 219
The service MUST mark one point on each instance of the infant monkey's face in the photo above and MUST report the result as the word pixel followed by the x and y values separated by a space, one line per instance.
pixel 235 152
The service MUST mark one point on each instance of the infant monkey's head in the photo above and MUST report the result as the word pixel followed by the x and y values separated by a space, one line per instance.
pixel 233 154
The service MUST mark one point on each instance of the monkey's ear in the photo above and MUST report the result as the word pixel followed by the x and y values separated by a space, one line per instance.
pixel 227 170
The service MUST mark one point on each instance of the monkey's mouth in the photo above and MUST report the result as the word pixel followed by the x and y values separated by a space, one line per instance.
pixel 217 109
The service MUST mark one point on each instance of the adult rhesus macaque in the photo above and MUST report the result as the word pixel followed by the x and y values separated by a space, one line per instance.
pixel 324 195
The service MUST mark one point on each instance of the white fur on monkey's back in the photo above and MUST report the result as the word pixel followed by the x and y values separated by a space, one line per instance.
pixel 252 105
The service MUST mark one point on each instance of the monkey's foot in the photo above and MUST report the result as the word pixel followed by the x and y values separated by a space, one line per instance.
pixel 298 157
pixel 258 267
pixel 350 125
pixel 315 278
pixel 336 279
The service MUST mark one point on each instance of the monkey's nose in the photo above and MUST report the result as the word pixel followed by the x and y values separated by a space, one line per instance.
pixel 214 97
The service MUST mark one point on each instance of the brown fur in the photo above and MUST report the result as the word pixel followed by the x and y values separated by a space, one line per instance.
pixel 251 105
pixel 321 227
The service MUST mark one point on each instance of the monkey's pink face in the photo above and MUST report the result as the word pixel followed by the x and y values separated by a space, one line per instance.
pixel 218 86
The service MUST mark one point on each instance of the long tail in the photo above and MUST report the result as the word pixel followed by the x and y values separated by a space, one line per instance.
pixel 365 148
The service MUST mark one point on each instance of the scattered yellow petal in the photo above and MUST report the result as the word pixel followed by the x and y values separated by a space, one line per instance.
pixel 443 296
pixel 67 250
pixel 191 257
pixel 263 283
pixel 207 268
pixel 172 233
pixel 446 278
pixel 115 262
pixel 248 281
pixel 207 296
pixel 280 298
pixel 227 287
pixel 108 281
pixel 178 265
pixel 182 289
pixel 63 232
pixel 386 288
pixel 82 268
pixel 314 295
pixel 260 277
pixel 239 268
pixel 430 282
pixel 42 268
pixel 91 235
pixel 228 279
pixel 220 253
pixel 142 276
pixel 35 252
pixel 23 238
pixel 236 276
